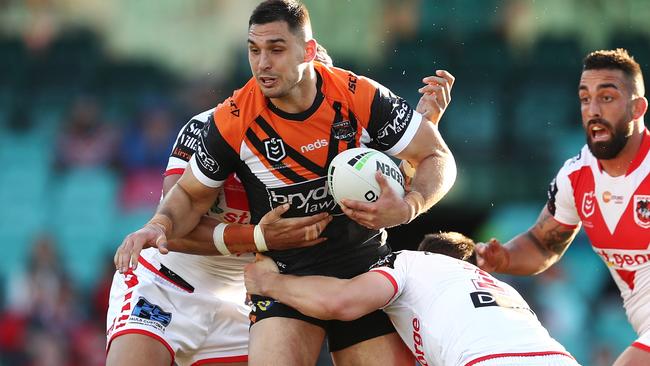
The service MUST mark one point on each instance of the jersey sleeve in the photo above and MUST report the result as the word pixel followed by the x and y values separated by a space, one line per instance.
pixel 392 122
pixel 185 144
pixel 214 159
pixel 560 199
pixel 393 271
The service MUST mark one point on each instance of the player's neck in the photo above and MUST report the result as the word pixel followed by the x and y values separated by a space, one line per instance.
pixel 302 96
pixel 621 163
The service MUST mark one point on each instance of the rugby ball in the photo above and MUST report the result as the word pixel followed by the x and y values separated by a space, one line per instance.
pixel 351 175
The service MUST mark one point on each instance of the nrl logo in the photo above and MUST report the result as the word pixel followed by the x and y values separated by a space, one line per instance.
pixel 642 210
pixel 588 204
pixel 275 149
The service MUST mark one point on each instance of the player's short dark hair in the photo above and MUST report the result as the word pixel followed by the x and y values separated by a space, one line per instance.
pixel 450 243
pixel 618 59
pixel 290 11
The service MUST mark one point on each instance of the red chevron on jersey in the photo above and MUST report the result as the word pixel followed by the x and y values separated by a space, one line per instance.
pixel 615 213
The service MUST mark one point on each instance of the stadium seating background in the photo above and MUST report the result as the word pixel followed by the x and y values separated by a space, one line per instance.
pixel 92 94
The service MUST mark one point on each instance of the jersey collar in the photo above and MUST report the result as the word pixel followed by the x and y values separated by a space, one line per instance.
pixel 307 113
pixel 641 154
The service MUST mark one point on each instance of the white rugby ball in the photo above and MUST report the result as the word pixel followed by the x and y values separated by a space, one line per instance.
pixel 351 175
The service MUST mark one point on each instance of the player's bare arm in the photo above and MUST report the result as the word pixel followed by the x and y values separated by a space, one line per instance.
pixel 279 234
pixel 427 153
pixel 178 213
pixel 319 296
pixel 531 252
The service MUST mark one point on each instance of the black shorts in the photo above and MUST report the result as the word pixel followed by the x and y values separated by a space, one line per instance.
pixel 340 334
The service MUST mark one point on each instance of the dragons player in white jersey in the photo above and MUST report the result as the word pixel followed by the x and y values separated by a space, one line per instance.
pixel 606 188
pixel 448 311
pixel 190 309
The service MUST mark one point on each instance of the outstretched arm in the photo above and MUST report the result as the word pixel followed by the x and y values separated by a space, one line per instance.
pixel 319 296
pixel 530 252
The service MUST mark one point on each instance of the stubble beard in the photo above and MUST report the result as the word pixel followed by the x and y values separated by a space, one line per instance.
pixel 607 150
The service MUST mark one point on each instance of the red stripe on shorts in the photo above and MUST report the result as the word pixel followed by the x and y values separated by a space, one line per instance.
pixel 526 354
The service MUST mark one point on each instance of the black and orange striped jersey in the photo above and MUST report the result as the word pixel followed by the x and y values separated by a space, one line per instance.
pixel 282 158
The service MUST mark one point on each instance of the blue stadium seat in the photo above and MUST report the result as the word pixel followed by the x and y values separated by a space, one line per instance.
pixel 23 193
pixel 84 211
pixel 471 124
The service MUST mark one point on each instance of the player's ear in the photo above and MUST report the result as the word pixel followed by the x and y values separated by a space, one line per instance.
pixel 311 48
pixel 640 107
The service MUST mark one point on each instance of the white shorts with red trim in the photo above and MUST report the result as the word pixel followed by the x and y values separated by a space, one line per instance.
pixel 196 327
pixel 643 342
pixel 523 359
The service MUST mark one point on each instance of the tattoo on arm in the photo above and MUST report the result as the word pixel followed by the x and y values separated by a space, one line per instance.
pixel 555 238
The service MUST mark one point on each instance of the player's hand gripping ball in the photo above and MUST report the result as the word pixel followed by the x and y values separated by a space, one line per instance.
pixel 351 175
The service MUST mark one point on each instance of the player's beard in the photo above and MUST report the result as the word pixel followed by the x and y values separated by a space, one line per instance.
pixel 607 150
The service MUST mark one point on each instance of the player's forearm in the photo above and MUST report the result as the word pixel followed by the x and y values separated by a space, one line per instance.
pixel 316 296
pixel 198 241
pixel 435 174
pixel 526 256
pixel 183 211
pixel 201 241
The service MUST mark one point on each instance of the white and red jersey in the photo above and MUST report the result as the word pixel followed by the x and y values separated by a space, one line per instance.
pixel 450 312
pixel 615 213
pixel 194 305
pixel 230 207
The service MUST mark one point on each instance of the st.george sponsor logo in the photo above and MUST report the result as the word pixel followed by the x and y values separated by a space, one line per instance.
pixel 624 259
pixel 418 346
pixel 305 198
pixel 399 118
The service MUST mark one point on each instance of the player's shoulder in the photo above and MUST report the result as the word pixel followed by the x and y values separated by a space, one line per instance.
pixel 238 111
pixel 202 117
pixel 346 83
pixel 576 163
pixel 398 259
